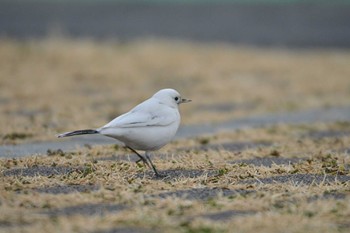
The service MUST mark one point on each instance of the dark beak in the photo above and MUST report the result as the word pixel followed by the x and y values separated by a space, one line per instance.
pixel 185 101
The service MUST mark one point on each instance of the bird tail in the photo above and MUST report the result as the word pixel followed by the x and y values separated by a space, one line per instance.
pixel 78 132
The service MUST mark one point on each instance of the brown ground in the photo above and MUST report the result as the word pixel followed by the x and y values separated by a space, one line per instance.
pixel 282 178
pixel 297 181
pixel 57 85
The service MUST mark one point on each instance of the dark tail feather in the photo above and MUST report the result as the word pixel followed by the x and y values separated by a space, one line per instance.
pixel 78 132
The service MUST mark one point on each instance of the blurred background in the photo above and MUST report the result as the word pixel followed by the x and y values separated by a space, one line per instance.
pixel 77 64
pixel 301 23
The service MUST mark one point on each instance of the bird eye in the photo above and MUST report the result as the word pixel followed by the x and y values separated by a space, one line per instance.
pixel 176 98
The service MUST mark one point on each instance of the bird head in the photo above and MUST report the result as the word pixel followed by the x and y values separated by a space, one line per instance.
pixel 170 97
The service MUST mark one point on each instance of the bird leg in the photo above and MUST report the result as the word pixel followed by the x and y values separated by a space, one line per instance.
pixel 153 167
pixel 143 159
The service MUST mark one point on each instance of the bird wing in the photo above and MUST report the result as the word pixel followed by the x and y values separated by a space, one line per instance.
pixel 146 115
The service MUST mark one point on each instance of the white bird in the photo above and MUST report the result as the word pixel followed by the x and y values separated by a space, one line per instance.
pixel 147 127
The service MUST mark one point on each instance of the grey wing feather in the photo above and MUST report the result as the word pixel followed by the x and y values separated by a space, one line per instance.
pixel 139 119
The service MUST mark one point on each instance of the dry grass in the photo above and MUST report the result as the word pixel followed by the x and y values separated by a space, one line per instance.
pixel 213 183
pixel 199 185
pixel 57 85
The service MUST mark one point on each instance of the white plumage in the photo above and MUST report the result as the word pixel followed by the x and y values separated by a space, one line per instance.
pixel 147 127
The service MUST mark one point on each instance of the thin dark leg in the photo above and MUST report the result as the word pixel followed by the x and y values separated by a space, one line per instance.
pixel 153 167
pixel 140 156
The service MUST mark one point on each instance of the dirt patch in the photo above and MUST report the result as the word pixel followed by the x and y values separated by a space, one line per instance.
pixel 65 189
pixel 304 179
pixel 328 195
pixel 227 215
pixel 327 133
pixel 203 193
pixel 39 171
pixel 86 209
pixel 229 146
pixel 125 230
pixel 268 162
